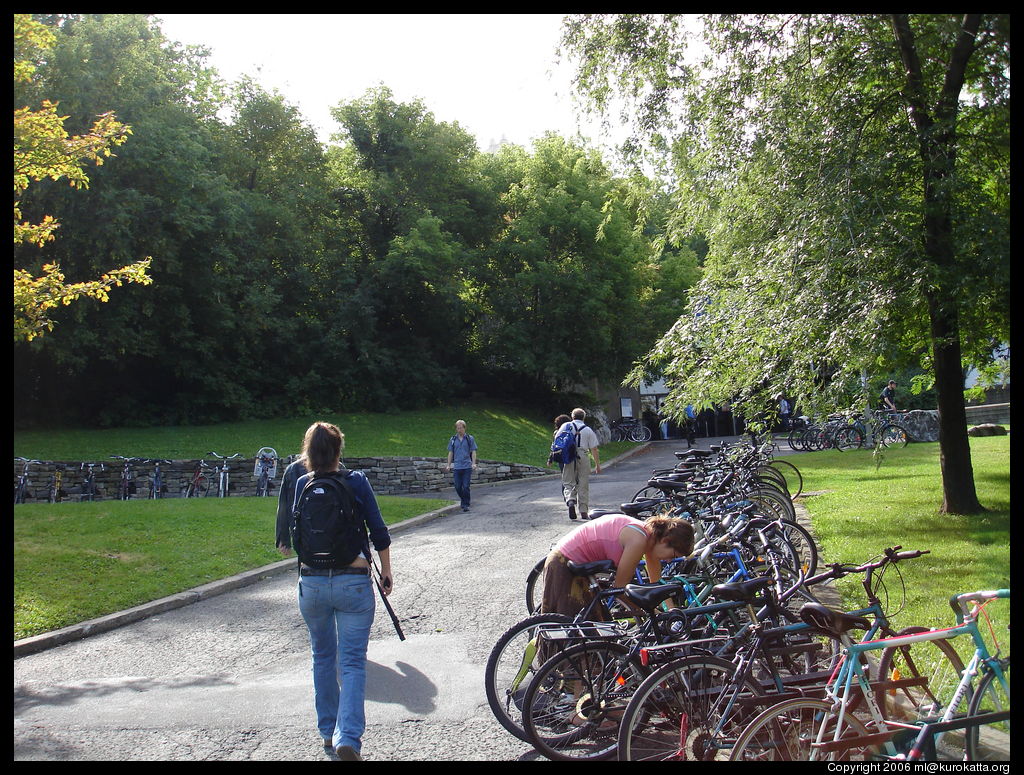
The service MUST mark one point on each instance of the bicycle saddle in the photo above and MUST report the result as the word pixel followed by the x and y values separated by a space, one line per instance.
pixel 637 507
pixel 835 622
pixel 694 453
pixel 740 591
pixel 589 568
pixel 649 597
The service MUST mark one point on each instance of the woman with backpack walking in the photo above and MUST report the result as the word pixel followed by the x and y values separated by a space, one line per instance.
pixel 335 518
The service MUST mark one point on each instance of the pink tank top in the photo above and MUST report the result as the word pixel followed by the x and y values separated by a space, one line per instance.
pixel 598 540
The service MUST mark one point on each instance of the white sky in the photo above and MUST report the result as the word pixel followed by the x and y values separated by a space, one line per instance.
pixel 495 74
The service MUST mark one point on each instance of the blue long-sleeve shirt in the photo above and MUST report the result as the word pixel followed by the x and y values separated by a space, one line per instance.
pixel 295 478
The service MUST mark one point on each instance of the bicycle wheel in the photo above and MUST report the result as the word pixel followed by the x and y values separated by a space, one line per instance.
pixel 794 479
pixel 992 741
pixel 647 493
pixel 535 586
pixel 806 547
pixel 929 672
pixel 788 732
pixel 848 438
pixel 776 501
pixel 572 707
pixel 200 488
pixel 893 435
pixel 510 665
pixel 687 710
pixel 640 434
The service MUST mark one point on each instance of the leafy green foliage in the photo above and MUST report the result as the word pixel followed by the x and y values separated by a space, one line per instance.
pixel 847 171
pixel 398 267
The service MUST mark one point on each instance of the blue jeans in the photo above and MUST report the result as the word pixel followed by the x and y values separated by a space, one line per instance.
pixel 338 611
pixel 462 477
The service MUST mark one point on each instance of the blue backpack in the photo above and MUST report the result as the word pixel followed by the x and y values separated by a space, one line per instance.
pixel 565 447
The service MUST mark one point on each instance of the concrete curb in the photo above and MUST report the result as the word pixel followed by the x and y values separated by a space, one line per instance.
pixel 48 640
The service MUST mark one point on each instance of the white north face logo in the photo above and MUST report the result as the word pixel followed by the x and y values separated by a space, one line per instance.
pixel 319 491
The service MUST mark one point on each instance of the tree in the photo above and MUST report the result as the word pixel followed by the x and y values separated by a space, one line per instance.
pixel 852 175
pixel 411 189
pixel 569 282
pixel 43 149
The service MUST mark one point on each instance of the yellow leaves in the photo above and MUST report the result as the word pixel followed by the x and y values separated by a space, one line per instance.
pixel 43 149
pixel 34 297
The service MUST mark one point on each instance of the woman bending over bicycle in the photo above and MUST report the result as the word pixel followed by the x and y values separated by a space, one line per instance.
pixel 616 537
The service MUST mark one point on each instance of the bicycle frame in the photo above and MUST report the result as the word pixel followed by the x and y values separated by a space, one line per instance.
pixel 851 674
pixel 223 472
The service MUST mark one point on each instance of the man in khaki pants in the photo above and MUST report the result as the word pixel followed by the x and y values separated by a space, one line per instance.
pixel 576 475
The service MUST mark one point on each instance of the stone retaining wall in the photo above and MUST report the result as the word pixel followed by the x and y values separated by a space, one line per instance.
pixel 389 476
pixel 988 413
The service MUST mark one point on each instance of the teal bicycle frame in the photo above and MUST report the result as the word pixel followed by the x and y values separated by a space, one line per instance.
pixel 852 671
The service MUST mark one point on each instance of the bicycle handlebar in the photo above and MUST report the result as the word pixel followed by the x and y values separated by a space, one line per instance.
pixel 225 457
pixel 958 602
pixel 892 555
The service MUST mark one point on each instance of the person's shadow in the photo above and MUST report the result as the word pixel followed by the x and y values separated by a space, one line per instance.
pixel 410 687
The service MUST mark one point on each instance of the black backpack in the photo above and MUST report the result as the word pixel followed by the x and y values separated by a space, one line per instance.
pixel 326 532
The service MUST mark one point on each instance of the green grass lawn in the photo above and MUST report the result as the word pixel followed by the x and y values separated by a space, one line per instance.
pixel 501 433
pixel 77 561
pixel 861 511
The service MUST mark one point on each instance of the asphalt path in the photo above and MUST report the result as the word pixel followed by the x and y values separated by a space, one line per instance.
pixel 228 677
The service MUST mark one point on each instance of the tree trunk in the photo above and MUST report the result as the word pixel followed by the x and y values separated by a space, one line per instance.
pixel 959 495
pixel 938 146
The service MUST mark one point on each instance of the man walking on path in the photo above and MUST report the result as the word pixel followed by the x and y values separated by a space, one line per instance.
pixel 461 458
pixel 576 473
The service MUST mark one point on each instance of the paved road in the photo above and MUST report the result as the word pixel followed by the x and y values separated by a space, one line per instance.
pixel 229 678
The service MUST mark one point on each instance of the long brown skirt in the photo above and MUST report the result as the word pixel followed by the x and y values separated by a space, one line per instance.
pixel 565 593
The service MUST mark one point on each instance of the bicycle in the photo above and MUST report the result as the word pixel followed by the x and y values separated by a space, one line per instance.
pixel 222 473
pixel 55 491
pixel 572 703
pixel 824 729
pixel 265 470
pixel 514 657
pixel 630 429
pixel 89 490
pixel 21 491
pixel 198 483
pixel 126 487
pixel 716 712
pixel 157 486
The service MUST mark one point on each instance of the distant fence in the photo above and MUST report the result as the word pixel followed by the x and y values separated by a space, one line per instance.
pixel 388 475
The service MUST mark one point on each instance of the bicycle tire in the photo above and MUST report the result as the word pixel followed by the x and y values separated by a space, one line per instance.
pixel 506 677
pixel 894 435
pixel 936 662
pixel 805 545
pixel 199 488
pixel 772 477
pixel 788 472
pixel 640 434
pixel 647 493
pixel 989 744
pixel 849 438
pixel 535 587
pixel 573 703
pixel 787 731
pixel 676 712
pixel 774 502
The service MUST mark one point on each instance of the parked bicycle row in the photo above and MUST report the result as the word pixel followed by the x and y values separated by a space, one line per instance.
pixel 850 430
pixel 140 477
pixel 731 654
